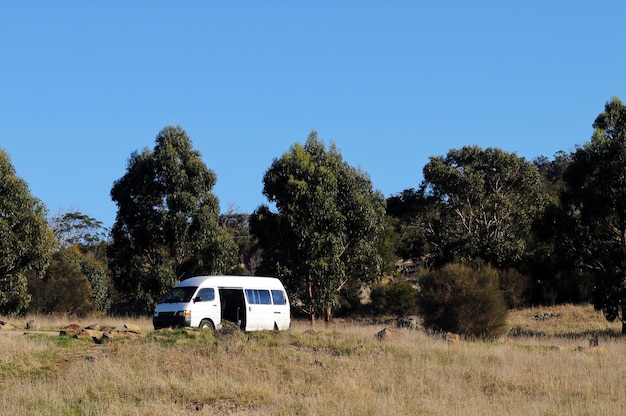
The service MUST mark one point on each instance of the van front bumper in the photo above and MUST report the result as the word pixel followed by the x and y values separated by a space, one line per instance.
pixel 170 320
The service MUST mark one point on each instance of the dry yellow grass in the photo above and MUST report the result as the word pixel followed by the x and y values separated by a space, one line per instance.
pixel 562 320
pixel 337 370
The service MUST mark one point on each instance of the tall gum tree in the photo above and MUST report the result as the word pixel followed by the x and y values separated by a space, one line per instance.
pixel 327 227
pixel 82 242
pixel 167 225
pixel 26 242
pixel 481 205
pixel 596 197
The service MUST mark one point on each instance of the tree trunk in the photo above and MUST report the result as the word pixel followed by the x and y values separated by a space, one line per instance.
pixel 311 301
pixel 623 241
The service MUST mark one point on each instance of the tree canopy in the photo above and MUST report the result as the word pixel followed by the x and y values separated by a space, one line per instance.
pixel 65 287
pixel 596 203
pixel 82 244
pixel 167 224
pixel 479 205
pixel 74 228
pixel 26 242
pixel 328 226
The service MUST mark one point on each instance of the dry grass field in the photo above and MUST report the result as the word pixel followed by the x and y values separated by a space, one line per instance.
pixel 341 369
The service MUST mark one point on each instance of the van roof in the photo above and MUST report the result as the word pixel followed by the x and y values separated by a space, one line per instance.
pixel 254 282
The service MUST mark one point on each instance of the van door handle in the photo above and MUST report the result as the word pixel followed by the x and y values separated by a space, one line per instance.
pixel 277 312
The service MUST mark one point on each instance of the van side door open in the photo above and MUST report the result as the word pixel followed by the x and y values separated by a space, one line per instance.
pixel 233 307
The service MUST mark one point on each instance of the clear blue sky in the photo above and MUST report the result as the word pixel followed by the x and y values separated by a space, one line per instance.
pixel 84 84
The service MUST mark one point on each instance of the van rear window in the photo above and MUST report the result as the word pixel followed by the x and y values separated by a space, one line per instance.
pixel 258 297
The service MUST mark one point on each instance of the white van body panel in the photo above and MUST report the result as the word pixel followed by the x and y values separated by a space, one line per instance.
pixel 251 302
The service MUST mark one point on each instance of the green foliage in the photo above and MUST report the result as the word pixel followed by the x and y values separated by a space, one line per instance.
pixel 167 226
pixel 552 172
pixel 14 295
pixel 82 240
pixel 595 200
pixel 26 242
pixel 479 206
pixel 553 258
pixel 75 228
pixel 238 225
pixel 401 297
pixel 405 204
pixel 397 297
pixel 463 300
pixel 413 211
pixel 64 288
pixel 327 229
pixel 513 286
pixel 388 245
pixel 96 273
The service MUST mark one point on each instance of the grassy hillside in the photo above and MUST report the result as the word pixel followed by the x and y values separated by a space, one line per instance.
pixel 342 369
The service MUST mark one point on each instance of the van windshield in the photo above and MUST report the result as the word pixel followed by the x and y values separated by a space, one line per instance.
pixel 179 294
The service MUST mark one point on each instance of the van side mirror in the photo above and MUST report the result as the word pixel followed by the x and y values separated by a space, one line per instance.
pixel 197 299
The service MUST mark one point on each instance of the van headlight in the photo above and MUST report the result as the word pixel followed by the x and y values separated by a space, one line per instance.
pixel 186 314
pixel 156 314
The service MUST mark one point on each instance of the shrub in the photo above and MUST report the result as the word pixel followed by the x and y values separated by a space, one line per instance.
pixel 63 289
pixel 463 300
pixel 401 298
pixel 396 297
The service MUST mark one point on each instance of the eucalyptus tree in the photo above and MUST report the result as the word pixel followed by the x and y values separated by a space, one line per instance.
pixel 67 286
pixel 26 242
pixel 596 199
pixel 327 228
pixel 478 206
pixel 76 228
pixel 82 244
pixel 553 260
pixel 167 225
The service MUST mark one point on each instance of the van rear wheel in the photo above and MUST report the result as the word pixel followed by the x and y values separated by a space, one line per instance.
pixel 207 324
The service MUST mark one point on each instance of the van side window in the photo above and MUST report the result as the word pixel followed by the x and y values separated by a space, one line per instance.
pixel 206 294
pixel 258 297
pixel 279 297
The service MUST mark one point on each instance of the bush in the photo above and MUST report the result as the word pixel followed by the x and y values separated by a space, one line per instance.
pixel 397 297
pixel 401 298
pixel 463 300
pixel 63 289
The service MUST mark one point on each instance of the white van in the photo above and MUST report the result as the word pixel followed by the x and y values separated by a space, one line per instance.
pixel 251 302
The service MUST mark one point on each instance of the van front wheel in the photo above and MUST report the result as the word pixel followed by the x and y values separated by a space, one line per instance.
pixel 207 324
